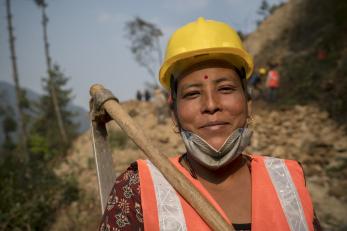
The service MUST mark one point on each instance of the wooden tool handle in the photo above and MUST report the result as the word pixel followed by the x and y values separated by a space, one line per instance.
pixel 204 208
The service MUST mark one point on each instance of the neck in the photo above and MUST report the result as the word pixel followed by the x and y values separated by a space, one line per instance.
pixel 217 176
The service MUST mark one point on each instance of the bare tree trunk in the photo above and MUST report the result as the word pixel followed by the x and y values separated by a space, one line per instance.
pixel 23 134
pixel 51 82
pixel 151 73
pixel 160 53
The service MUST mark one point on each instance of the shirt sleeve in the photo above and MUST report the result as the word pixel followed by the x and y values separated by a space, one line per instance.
pixel 123 210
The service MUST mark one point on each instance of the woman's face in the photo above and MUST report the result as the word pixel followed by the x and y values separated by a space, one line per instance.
pixel 211 103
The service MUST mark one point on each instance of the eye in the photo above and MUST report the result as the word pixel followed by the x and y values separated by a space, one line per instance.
pixel 226 89
pixel 191 94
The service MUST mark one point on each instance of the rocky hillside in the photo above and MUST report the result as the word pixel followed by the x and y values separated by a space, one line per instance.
pixel 308 39
pixel 271 34
pixel 303 133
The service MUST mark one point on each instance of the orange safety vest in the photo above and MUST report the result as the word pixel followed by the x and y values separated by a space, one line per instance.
pixel 273 80
pixel 280 200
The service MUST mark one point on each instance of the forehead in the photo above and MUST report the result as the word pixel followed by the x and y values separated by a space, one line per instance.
pixel 207 74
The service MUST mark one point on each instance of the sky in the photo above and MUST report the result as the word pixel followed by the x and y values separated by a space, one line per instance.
pixel 87 38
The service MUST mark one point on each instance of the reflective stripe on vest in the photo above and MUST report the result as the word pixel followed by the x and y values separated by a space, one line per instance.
pixel 287 193
pixel 276 198
pixel 170 213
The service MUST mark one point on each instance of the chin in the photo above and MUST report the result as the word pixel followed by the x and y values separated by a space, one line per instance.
pixel 216 143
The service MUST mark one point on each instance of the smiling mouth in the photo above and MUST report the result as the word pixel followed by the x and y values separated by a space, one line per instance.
pixel 214 124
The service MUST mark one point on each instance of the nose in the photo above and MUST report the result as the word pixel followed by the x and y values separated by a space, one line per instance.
pixel 210 103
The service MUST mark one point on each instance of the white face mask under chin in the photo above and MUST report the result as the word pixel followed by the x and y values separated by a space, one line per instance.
pixel 211 158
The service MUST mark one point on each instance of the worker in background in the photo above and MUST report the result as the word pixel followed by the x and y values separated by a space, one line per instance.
pixel 205 71
pixel 254 85
pixel 273 82
pixel 138 95
pixel 262 71
pixel 147 95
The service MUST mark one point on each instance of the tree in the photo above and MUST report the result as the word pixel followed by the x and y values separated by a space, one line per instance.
pixel 58 115
pixel 21 101
pixel 9 125
pixel 144 44
pixel 30 192
pixel 44 129
pixel 264 8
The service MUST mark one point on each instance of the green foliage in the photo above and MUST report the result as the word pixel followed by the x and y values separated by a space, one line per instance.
pixel 9 144
pixel 9 124
pixel 31 193
pixel 2 105
pixel 23 100
pixel 9 127
pixel 38 145
pixel 46 125
pixel 117 139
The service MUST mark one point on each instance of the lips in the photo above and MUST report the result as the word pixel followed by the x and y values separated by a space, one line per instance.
pixel 212 124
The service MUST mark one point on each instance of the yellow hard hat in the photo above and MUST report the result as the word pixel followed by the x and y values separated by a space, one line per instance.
pixel 262 70
pixel 203 40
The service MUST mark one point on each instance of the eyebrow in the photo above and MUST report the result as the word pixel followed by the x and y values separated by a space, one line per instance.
pixel 189 85
pixel 222 79
pixel 219 80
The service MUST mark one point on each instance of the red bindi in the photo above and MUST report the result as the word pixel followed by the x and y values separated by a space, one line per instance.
pixel 205 77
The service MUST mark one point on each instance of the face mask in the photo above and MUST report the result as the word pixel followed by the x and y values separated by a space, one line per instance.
pixel 211 158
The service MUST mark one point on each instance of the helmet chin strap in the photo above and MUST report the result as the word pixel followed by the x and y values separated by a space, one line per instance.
pixel 214 159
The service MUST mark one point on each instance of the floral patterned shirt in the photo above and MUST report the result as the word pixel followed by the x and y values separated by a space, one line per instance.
pixel 123 210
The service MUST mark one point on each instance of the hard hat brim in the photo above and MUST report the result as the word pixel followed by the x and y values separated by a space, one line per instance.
pixel 235 56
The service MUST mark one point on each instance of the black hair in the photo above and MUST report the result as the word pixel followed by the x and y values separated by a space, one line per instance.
pixel 173 91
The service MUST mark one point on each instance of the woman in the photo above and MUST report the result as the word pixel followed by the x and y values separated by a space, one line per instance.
pixel 205 71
